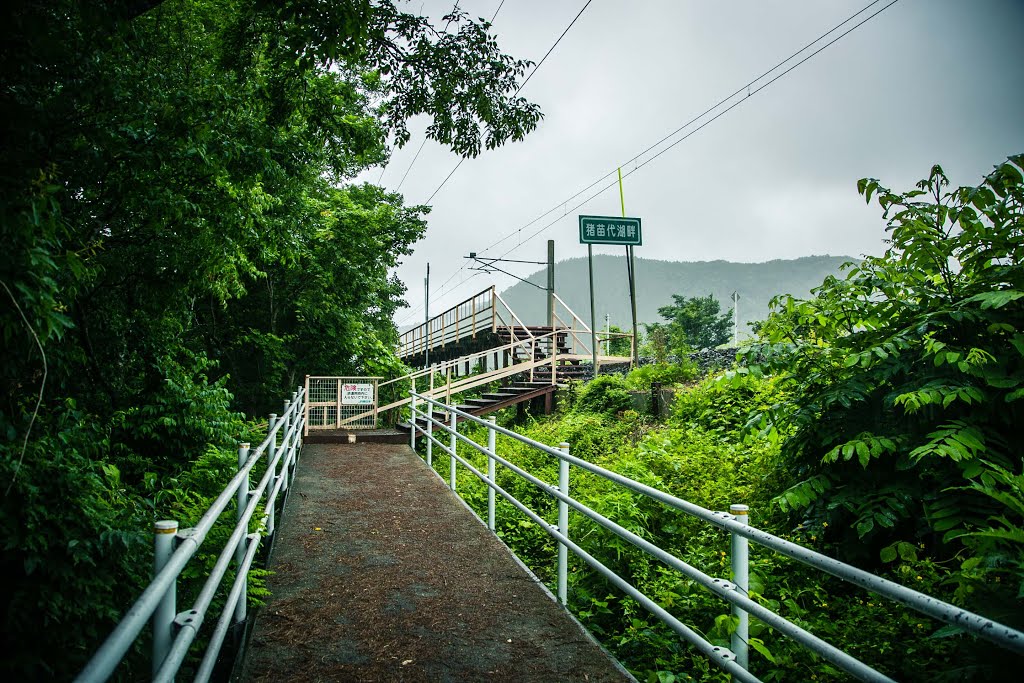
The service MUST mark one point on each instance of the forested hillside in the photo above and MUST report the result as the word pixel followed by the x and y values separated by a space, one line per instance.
pixel 182 243
pixel 657 281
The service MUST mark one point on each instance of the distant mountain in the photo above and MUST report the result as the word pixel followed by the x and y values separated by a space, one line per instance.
pixel 657 281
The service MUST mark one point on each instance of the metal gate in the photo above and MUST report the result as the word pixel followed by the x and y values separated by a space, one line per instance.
pixel 341 402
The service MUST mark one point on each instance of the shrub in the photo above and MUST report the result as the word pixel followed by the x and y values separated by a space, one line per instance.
pixel 666 374
pixel 606 394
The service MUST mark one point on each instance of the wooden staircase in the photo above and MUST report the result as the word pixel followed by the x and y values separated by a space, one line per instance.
pixel 526 343
pixel 505 397
pixel 569 368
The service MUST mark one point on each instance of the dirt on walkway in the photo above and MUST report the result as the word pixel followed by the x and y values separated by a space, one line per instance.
pixel 381 574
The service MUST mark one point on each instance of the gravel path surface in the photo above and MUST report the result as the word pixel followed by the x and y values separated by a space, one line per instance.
pixel 383 575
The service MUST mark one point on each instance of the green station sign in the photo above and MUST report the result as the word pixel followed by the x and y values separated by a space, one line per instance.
pixel 610 230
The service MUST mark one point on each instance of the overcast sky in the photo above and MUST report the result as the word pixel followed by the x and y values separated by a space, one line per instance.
pixel 924 82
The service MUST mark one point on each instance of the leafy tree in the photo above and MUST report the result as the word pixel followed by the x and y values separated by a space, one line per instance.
pixel 177 204
pixel 906 380
pixel 696 322
pixel 656 342
pixel 618 345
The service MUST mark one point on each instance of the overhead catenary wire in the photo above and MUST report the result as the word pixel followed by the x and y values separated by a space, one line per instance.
pixel 518 90
pixel 416 309
pixel 406 174
pixel 732 106
pixel 562 205
pixel 690 122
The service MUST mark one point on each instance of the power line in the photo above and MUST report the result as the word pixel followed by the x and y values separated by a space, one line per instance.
pixel 406 175
pixel 551 49
pixel 693 120
pixel 521 86
pixel 500 5
pixel 414 310
pixel 463 159
pixel 750 93
pixel 747 87
pixel 381 177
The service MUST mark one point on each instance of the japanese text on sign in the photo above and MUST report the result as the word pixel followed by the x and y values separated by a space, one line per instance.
pixel 610 230
pixel 357 394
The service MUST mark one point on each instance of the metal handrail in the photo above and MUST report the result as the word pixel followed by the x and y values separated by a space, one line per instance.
pixel 409 340
pixel 586 328
pixel 456 362
pixel 159 597
pixel 734 593
pixel 473 381
pixel 513 314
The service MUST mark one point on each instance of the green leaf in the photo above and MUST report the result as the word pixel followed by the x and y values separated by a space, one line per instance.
pixel 907 551
pixel 948 631
pixel 760 648
pixel 864 527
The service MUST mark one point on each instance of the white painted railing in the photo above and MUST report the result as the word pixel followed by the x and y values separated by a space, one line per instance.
pixel 174 631
pixel 735 592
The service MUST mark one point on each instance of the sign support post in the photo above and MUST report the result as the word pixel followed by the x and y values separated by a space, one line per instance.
pixel 426 314
pixel 593 317
pixel 631 266
pixel 611 230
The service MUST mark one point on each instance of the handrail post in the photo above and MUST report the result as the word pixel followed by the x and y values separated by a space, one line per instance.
pixel 164 533
pixel 448 381
pixel 554 353
pixel 305 410
pixel 298 432
pixel 454 443
pixel 490 471
pixel 286 459
pixel 563 525
pixel 430 432
pixel 241 502
pixel 741 579
pixel 272 466
pixel 412 415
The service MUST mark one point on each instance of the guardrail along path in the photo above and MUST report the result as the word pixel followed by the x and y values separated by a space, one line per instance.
pixel 381 574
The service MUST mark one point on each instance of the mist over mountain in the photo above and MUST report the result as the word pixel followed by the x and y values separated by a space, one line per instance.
pixel 657 281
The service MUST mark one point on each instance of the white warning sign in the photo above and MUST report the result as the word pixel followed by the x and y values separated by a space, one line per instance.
pixel 357 394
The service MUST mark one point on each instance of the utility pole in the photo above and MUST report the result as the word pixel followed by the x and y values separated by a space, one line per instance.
pixel 607 332
pixel 631 270
pixel 551 285
pixel 426 316
pixel 593 315
pixel 735 319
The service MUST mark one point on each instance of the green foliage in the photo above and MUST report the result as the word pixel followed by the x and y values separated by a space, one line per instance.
pixel 705 453
pixel 606 394
pixel 656 343
pixel 181 416
pixel 665 374
pixel 904 380
pixel 185 242
pixel 695 323
pixel 75 542
pixel 617 343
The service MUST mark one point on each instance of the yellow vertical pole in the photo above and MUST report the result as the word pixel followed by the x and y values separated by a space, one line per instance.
pixel 631 267
pixel 622 196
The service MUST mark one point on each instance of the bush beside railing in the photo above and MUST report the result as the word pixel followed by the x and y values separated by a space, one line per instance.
pixel 174 632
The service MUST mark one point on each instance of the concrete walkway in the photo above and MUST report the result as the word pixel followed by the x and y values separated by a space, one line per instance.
pixel 381 574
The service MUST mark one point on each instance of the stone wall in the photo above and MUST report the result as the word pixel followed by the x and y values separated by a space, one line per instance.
pixel 707 360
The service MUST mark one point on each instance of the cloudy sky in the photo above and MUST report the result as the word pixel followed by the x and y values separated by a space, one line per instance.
pixel 924 82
